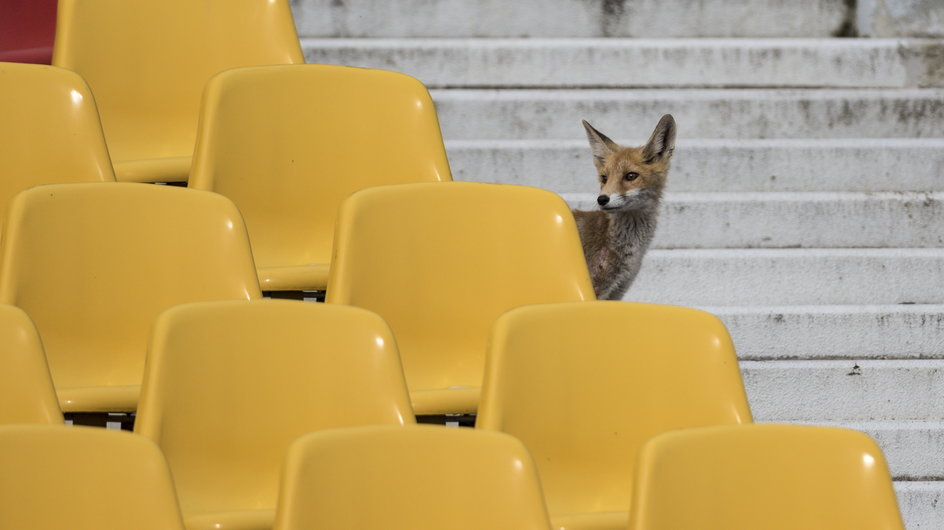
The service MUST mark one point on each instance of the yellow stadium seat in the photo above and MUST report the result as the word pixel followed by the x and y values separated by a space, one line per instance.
pixel 288 143
pixel 229 385
pixel 147 62
pixel 83 478
pixel 584 385
pixel 26 391
pixel 775 477
pixel 408 478
pixel 50 132
pixel 440 261
pixel 93 265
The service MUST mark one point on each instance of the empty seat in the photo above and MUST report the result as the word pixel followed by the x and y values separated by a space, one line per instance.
pixel 50 132
pixel 584 385
pixel 83 478
pixel 288 143
pixel 147 63
pixel 26 391
pixel 93 265
pixel 229 385
pixel 408 478
pixel 775 477
pixel 440 261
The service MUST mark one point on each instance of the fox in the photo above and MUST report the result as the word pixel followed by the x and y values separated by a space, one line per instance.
pixel 615 237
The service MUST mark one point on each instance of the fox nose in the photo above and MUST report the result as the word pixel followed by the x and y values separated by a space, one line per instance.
pixel 603 199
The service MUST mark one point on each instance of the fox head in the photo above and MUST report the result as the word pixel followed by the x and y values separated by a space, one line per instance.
pixel 632 178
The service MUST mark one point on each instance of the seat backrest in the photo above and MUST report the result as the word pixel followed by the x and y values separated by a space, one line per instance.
pixel 83 478
pixel 93 265
pixel 229 385
pixel 776 477
pixel 147 61
pixel 404 478
pixel 288 144
pixel 440 261
pixel 585 385
pixel 50 132
pixel 26 391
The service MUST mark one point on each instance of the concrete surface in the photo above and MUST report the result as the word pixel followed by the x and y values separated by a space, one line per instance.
pixel 700 113
pixel 739 277
pixel 713 165
pixel 794 220
pixel 571 18
pixel 837 63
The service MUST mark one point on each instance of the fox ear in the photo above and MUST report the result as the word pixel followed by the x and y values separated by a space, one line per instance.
pixel 662 142
pixel 600 145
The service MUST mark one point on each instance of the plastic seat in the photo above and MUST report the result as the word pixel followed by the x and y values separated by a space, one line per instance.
pixel 229 385
pixel 26 391
pixel 440 261
pixel 288 143
pixel 50 132
pixel 407 478
pixel 93 265
pixel 27 28
pixel 775 477
pixel 147 62
pixel 585 385
pixel 83 478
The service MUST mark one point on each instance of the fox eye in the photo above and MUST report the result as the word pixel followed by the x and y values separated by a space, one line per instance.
pixel 602 179
pixel 631 176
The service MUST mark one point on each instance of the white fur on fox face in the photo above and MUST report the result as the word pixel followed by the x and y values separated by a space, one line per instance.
pixel 618 200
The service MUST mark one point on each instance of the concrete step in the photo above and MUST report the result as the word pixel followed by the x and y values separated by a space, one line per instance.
pixel 841 332
pixel 572 18
pixel 914 449
pixel 794 220
pixel 700 113
pixel 741 277
pixel 900 18
pixel 719 165
pixel 620 63
pixel 921 504
pixel 845 390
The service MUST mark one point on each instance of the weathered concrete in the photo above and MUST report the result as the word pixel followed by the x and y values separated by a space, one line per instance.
pixel 921 504
pixel 914 450
pixel 835 332
pixel 571 18
pixel 619 63
pixel 556 114
pixel 794 220
pixel 846 390
pixel 900 18
pixel 740 277
pixel 727 165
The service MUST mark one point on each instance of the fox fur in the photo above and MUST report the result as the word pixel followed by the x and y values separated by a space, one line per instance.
pixel 616 236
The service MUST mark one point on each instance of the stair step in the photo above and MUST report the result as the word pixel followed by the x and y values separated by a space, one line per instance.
pixel 921 504
pixel 719 165
pixel 788 220
pixel 914 449
pixel 739 277
pixel 700 113
pixel 609 63
pixel 571 18
pixel 845 390
pixel 885 18
pixel 835 332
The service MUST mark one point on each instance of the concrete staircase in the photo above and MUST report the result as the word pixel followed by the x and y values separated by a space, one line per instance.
pixel 805 201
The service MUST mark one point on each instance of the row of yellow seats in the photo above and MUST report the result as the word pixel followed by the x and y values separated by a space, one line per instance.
pixel 424 478
pixel 94 264
pixel 229 385
pixel 286 143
